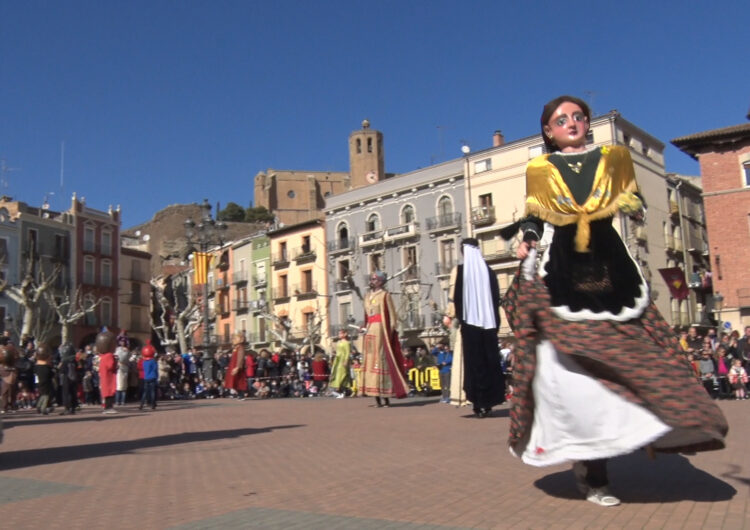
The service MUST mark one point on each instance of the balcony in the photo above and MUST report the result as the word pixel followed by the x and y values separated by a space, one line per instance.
pixel 304 254
pixel 305 291
pixel 281 295
pixel 220 283
pixel 256 338
pixel 340 246
pixel 398 233
pixel 239 277
pixel 260 281
pixel 411 275
pixel 256 305
pixel 444 269
pixel 280 260
pixel 495 249
pixel 240 306
pixel 371 239
pixel 412 321
pixel 444 223
pixel 482 215
pixel 341 286
pixel 674 208
pixel 640 234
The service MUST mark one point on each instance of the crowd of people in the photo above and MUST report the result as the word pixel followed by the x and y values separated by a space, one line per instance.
pixel 36 377
pixel 721 361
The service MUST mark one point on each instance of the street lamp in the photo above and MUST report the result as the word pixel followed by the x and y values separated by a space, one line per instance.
pixel 466 150
pixel 206 234
pixel 718 304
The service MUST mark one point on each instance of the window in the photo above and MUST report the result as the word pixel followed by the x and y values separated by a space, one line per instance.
pixel 135 318
pixel 376 262
pixel 88 270
pixel 106 243
pixel 535 151
pixel 260 269
pixel 407 214
pixel 372 223
pixel 135 270
pixel 283 286
pixel 309 321
pixel 343 232
pixel 106 279
pixel 89 239
pixel 485 201
pixel 307 281
pixel 445 207
pixel 283 251
pixel 305 244
pixel 135 293
pixel 61 247
pixel 32 243
pixel 369 145
pixel 88 304
pixel 3 258
pixel 359 146
pixel 345 311
pixel 106 312
pixel 290 194
pixel 482 165
pixel 746 172
pixel 343 269
pixel 410 256
pixel 448 253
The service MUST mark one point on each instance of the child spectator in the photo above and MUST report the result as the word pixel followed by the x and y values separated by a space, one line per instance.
pixel 150 376
pixel 738 379
pixel 88 388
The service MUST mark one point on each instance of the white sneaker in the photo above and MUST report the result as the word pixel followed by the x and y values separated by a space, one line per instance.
pixel 340 396
pixel 602 497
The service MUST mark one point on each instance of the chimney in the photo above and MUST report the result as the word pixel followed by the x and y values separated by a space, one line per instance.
pixel 498 139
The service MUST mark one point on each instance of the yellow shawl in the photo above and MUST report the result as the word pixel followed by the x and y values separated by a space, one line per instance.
pixel 548 197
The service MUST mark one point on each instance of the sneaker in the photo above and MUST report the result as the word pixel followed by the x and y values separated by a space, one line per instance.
pixel 340 396
pixel 602 497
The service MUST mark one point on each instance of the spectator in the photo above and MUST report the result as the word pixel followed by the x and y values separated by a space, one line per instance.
pixel 107 370
pixel 743 348
pixel 9 376
pixel 150 376
pixel 44 374
pixel 69 378
pixel 320 372
pixel 444 363
pixel 738 379
pixel 707 370
pixel 89 394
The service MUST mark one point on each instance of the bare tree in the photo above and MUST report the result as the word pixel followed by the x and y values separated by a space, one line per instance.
pixel 175 324
pixel 30 292
pixel 69 310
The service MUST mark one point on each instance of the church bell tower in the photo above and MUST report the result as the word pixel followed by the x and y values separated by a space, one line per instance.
pixel 366 156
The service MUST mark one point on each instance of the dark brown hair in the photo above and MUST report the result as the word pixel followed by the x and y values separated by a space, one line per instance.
pixel 550 108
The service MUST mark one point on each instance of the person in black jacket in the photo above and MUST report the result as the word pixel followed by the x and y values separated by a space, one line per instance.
pixel 68 376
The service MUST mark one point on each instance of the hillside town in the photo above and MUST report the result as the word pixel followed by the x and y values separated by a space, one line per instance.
pixel 296 272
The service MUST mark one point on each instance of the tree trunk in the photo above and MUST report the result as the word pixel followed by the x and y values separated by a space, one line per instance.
pixel 181 334
pixel 65 332
pixel 28 320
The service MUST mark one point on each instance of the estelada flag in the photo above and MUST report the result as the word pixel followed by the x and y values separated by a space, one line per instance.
pixel 201 261
pixel 675 279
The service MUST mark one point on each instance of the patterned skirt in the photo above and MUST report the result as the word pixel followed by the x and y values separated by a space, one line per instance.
pixel 638 360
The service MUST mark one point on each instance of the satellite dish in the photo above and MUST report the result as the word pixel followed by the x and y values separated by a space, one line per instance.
pixel 137 233
pixel 146 237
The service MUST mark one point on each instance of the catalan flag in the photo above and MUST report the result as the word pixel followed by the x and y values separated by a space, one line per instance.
pixel 201 262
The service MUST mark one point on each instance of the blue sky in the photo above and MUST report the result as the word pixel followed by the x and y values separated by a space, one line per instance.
pixel 163 102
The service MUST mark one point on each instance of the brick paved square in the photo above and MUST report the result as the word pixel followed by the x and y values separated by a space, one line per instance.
pixel 327 463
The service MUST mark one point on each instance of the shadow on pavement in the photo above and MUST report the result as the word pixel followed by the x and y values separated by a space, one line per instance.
pixel 496 413
pixel 636 479
pixel 53 455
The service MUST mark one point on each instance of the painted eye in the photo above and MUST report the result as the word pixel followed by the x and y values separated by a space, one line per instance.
pixel 562 120
pixel 579 117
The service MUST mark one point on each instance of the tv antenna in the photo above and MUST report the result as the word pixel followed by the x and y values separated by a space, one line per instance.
pixel 4 170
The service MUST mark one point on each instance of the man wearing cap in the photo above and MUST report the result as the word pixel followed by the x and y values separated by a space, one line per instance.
pixel 475 299
pixel 150 376
pixel 382 359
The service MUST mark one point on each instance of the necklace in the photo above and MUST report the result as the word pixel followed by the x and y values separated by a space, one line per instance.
pixel 576 167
